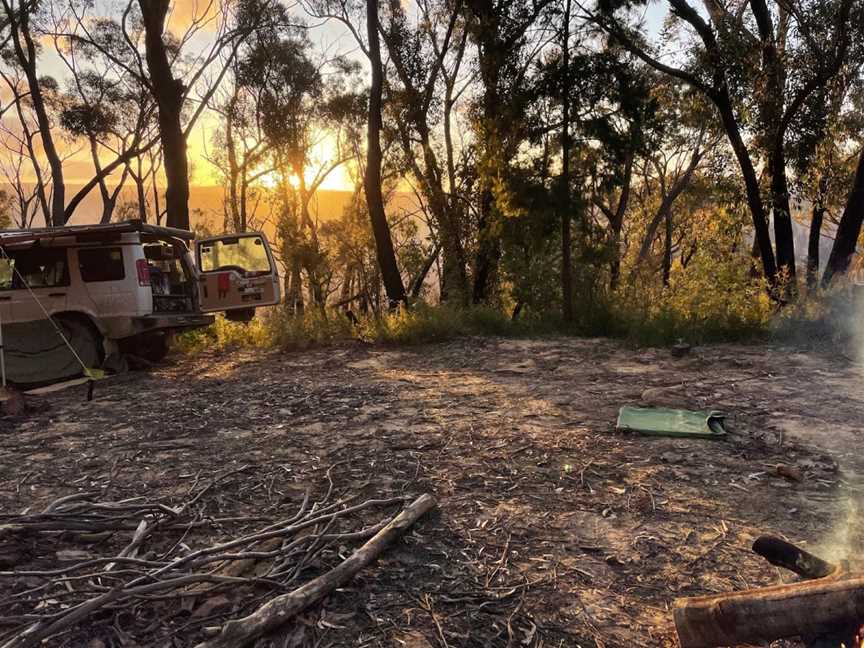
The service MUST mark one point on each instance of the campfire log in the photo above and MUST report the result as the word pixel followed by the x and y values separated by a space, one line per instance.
pixel 808 608
pixel 784 554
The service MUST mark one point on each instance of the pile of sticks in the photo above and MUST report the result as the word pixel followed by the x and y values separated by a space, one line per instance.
pixel 154 573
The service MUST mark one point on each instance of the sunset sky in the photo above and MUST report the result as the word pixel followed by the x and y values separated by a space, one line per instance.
pixel 328 38
pixel 78 167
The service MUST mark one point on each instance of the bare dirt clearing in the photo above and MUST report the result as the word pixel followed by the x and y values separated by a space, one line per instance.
pixel 553 529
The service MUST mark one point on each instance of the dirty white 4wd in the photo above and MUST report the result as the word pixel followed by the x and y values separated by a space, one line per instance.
pixel 72 296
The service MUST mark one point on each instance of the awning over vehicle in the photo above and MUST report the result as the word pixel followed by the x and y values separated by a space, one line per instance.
pixel 12 237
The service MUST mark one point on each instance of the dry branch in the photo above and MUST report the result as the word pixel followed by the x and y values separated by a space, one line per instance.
pixel 174 552
pixel 282 609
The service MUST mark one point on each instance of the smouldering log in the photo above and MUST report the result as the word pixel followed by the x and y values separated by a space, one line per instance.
pixel 784 554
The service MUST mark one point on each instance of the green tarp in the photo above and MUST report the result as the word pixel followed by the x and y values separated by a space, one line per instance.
pixel 660 421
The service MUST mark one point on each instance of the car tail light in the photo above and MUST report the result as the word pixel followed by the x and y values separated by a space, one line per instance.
pixel 143 272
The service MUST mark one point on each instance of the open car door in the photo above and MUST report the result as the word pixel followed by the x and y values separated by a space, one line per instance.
pixel 236 273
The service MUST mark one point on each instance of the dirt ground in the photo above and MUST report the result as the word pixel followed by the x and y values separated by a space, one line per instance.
pixel 552 529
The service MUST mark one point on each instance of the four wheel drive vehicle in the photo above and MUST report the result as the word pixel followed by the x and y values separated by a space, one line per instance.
pixel 120 287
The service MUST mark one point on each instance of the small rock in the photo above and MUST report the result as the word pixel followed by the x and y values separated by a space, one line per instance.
pixel 789 472
pixel 680 350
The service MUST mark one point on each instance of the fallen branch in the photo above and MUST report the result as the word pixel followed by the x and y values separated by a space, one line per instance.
pixel 282 609
pixel 165 559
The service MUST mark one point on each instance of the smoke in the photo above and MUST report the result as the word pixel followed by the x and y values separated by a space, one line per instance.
pixel 847 307
pixel 845 541
pixel 857 323
pixel 845 310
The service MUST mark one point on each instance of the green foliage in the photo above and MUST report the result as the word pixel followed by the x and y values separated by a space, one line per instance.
pixel 6 206
pixel 273 328
pixel 692 308
pixel 224 335
pixel 705 304
pixel 279 329
pixel 424 324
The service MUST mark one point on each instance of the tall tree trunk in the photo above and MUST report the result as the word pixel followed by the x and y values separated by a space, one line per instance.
pixel 41 191
pixel 107 203
pixel 489 59
pixel 772 116
pixel 19 24
pixel 816 219
pixel 615 262
pixel 664 211
pixel 751 184
pixel 295 291
pixel 784 238
pixel 488 249
pixel 168 93
pixel 374 199
pixel 233 168
pixel 454 280
pixel 454 276
pixel 667 249
pixel 566 243
pixel 616 223
pixel 140 189
pixel 417 283
pixel 157 207
pixel 488 246
pixel 244 197
pixel 849 229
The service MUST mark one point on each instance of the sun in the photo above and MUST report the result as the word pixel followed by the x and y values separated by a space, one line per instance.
pixel 269 180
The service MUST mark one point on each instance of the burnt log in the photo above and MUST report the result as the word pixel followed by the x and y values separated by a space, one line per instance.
pixel 784 554
pixel 806 609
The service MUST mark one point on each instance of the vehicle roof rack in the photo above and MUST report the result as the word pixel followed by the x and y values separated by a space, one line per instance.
pixel 10 237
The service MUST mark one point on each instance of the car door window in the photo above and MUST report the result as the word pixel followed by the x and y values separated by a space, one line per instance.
pixel 101 264
pixel 40 268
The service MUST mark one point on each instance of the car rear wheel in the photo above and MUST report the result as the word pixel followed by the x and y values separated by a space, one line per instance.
pixel 85 339
pixel 155 346
pixel 152 347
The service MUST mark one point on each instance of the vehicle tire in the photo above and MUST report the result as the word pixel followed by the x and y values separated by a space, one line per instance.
pixel 85 338
pixel 244 315
pixel 153 347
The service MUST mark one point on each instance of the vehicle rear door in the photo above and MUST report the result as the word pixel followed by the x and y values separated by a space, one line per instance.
pixel 236 272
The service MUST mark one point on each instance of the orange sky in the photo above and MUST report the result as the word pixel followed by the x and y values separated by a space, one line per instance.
pixel 78 167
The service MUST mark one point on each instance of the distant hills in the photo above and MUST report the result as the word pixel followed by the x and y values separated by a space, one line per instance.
pixel 207 202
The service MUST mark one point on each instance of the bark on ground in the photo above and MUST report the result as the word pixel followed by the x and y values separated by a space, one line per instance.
pixel 553 528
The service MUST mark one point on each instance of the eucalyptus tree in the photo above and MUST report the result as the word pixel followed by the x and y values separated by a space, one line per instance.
pixel 763 65
pixel 507 36
pixel 18 16
pixel 362 20
pixel 427 52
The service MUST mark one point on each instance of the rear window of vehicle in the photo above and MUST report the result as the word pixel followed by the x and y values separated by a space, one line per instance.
pixel 246 253
pixel 101 264
pixel 37 268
